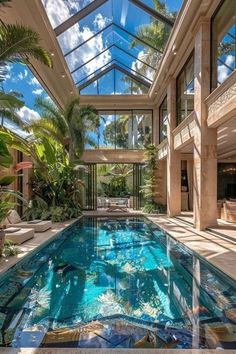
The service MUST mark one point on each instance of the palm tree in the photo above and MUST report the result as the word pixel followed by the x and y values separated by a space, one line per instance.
pixel 68 126
pixel 17 45
pixel 156 35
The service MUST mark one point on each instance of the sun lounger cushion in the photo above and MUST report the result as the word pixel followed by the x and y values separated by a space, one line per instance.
pixel 13 217
pixel 19 236
pixel 38 225
pixel 10 230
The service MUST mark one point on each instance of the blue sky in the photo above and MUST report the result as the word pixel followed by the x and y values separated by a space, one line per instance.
pixel 20 79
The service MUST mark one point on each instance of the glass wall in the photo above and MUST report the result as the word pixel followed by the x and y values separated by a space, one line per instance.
pixel 124 129
pixel 115 82
pixel 223 42
pixel 163 120
pixel 185 90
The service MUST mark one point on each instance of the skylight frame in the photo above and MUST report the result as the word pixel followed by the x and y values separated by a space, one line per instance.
pixel 121 31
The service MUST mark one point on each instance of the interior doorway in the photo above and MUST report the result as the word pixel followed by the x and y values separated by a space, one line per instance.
pixel 106 184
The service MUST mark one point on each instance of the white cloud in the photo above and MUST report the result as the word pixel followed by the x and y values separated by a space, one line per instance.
pixel 37 91
pixel 22 75
pixel 60 10
pixel 28 114
pixel 34 82
pixel 100 22
pixel 223 71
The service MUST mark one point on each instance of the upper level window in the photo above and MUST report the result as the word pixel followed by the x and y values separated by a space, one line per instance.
pixel 124 129
pixel 163 120
pixel 223 42
pixel 185 90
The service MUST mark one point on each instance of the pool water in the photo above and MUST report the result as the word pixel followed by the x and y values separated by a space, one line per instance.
pixel 116 283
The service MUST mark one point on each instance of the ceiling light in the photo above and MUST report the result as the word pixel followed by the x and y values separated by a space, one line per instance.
pixel 52 54
pixel 63 76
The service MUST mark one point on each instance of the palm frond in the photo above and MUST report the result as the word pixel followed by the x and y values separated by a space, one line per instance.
pixel 46 126
pixel 50 110
pixel 18 42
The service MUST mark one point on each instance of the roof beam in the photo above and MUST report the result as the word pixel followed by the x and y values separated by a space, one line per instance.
pixel 79 16
pixel 96 77
pixel 122 29
pixel 159 16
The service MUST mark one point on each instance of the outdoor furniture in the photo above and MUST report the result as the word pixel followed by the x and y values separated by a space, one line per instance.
pixel 229 211
pixel 118 204
pixel 17 235
pixel 115 207
pixel 38 225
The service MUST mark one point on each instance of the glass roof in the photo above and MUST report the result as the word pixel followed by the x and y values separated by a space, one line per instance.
pixel 102 36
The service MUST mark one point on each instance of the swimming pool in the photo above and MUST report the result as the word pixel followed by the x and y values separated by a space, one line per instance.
pixel 116 283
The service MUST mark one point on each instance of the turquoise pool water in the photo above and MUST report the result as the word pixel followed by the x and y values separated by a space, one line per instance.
pixel 116 283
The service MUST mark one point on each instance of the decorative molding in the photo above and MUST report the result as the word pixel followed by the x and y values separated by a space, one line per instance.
pixel 222 99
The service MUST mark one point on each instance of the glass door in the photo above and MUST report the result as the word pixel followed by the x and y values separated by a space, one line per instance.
pixel 90 187
pixel 137 183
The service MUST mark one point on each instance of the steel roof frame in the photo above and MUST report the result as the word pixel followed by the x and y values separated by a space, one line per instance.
pixel 108 48
pixel 158 15
pixel 117 67
pixel 79 16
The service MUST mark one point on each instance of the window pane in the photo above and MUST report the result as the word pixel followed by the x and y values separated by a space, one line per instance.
pixel 106 84
pixel 163 120
pixel 59 11
pixel 107 130
pixel 142 128
pixel 124 130
pixel 169 8
pixel 223 42
pixel 90 89
pixel 185 91
pixel 86 28
pixel 122 83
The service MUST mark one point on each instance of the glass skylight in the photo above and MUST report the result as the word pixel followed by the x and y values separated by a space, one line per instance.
pixel 104 37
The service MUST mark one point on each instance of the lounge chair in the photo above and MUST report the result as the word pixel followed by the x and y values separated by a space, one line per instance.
pixel 229 211
pixel 18 235
pixel 38 225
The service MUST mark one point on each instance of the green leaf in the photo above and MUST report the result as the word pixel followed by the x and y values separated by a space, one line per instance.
pixel 7 180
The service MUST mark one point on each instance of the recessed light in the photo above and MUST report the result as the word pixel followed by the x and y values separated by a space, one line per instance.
pixel 52 54
pixel 63 75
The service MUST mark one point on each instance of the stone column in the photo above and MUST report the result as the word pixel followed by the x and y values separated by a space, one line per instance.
pixel 205 139
pixel 173 157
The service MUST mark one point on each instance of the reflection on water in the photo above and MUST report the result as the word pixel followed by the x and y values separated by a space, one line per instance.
pixel 116 283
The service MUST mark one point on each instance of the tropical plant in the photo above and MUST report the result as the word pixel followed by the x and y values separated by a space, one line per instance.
pixel 155 35
pixel 17 45
pixel 55 195
pixel 148 190
pixel 117 184
pixel 10 250
pixel 68 126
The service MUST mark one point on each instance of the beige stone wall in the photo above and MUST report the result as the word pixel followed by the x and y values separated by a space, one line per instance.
pixel 113 156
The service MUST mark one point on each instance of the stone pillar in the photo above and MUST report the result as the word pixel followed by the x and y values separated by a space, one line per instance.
pixel 205 139
pixel 173 157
